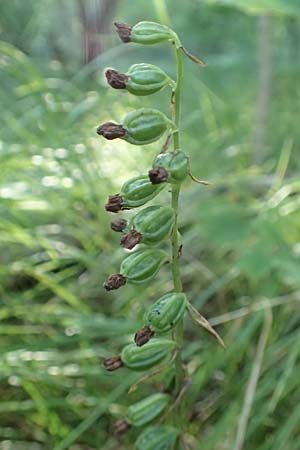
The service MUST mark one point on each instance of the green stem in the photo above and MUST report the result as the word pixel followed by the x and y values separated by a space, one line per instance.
pixel 178 332
pixel 177 97
pixel 175 243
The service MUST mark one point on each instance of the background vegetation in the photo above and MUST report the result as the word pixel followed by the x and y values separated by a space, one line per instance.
pixel 241 256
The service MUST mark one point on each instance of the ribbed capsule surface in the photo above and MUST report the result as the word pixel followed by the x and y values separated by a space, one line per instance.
pixel 144 126
pixel 154 223
pixel 176 164
pixel 143 264
pixel 146 79
pixel 166 312
pixel 149 33
pixel 146 357
pixel 148 409
pixel 157 438
pixel 139 190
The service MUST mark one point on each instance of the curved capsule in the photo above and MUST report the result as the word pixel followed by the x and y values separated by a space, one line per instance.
pixel 166 312
pixel 176 164
pixel 138 190
pixel 143 265
pixel 154 223
pixel 146 79
pixel 147 409
pixel 148 356
pixel 157 438
pixel 148 33
pixel 145 125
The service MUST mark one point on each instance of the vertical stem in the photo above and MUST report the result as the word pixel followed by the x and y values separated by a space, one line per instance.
pixel 178 332
pixel 175 244
pixel 177 98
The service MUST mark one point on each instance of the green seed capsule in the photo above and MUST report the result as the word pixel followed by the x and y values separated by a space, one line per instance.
pixel 148 33
pixel 141 79
pixel 139 127
pixel 145 79
pixel 166 312
pixel 157 438
pixel 143 265
pixel 138 190
pixel 148 356
pixel 176 164
pixel 145 125
pixel 147 409
pixel 154 223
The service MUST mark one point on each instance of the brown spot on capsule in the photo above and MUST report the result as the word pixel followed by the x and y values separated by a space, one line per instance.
pixel 118 224
pixel 158 175
pixel 111 130
pixel 124 31
pixel 142 336
pixel 112 363
pixel 121 427
pixel 114 281
pixel 115 79
pixel 131 239
pixel 114 203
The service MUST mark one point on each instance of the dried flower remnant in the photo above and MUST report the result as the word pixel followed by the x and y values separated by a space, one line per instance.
pixel 115 79
pixel 143 336
pixel 114 281
pixel 114 203
pixel 121 427
pixel 112 363
pixel 124 31
pixel 158 175
pixel 111 130
pixel 118 225
pixel 131 239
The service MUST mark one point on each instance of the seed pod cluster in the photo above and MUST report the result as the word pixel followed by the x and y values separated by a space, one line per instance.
pixel 147 228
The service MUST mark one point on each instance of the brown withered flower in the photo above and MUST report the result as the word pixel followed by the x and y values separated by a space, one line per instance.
pixel 131 239
pixel 121 427
pixel 118 224
pixel 112 363
pixel 114 203
pixel 124 31
pixel 115 79
pixel 114 281
pixel 158 175
pixel 142 336
pixel 111 131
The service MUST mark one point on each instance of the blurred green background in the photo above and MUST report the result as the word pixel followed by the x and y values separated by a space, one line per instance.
pixel 241 236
